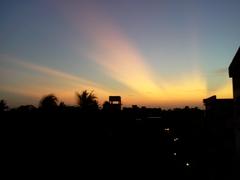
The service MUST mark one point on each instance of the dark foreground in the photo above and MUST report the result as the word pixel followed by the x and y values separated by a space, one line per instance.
pixel 114 145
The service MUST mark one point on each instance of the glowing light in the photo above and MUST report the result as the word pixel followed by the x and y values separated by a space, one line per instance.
pixel 117 56
pixel 166 129
pixel 175 139
pixel 187 164
pixel 121 61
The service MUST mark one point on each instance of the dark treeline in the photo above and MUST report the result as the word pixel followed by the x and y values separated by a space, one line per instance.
pixel 134 141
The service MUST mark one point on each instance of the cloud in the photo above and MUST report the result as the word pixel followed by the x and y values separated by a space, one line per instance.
pixel 46 70
pixel 221 72
pixel 27 83
pixel 20 91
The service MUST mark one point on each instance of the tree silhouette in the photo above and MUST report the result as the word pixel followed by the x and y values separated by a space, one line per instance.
pixel 87 101
pixel 26 108
pixel 62 104
pixel 3 105
pixel 49 102
pixel 106 106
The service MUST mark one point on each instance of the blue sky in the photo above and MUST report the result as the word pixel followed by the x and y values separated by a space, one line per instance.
pixel 151 52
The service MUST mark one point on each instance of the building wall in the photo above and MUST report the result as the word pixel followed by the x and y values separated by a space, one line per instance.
pixel 236 87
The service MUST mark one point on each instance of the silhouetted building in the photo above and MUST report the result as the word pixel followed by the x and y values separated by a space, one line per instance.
pixel 234 73
pixel 115 103
pixel 226 109
pixel 135 106
pixel 219 112
pixel 222 117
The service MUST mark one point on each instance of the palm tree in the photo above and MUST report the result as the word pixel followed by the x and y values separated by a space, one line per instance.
pixel 87 101
pixel 3 105
pixel 49 102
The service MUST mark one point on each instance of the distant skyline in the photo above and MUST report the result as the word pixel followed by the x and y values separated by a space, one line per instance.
pixel 156 53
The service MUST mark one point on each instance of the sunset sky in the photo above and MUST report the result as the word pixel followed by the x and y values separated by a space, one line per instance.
pixel 157 53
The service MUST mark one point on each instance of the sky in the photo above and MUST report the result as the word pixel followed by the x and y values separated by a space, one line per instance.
pixel 155 53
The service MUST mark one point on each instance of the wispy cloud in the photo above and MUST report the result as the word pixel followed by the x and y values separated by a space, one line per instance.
pixel 46 70
pixel 221 72
pixel 69 83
